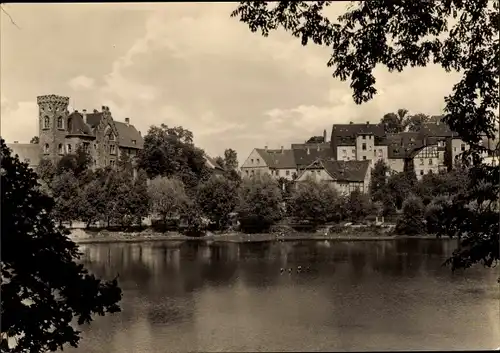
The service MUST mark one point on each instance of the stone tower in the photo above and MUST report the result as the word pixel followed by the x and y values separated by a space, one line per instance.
pixel 52 125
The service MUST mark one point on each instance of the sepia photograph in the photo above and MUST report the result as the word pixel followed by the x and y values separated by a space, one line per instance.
pixel 254 176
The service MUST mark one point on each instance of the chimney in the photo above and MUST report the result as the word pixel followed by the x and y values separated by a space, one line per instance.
pixel 281 149
pixel 127 121
pixel 367 123
pixel 16 141
pixel 324 135
pixel 103 108
pixel 350 122
pixel 96 111
pixel 84 113
pixel 265 147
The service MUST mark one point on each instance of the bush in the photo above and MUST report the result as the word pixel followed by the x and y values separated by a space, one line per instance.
pixel 259 204
pixel 412 219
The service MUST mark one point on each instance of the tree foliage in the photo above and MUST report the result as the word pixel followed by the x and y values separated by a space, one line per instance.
pixel 259 203
pixel 315 202
pixel 170 152
pixel 230 159
pixel 167 197
pixel 412 220
pixel 217 198
pixel 378 180
pixel 357 206
pixel 35 140
pixel 43 287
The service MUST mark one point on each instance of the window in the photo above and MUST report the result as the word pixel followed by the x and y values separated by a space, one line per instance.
pixel 421 161
pixel 46 122
pixel 287 173
pixel 421 172
pixel 363 146
pixel 111 136
pixel 454 149
pixel 112 162
pixel 353 151
pixel 60 123
pixel 462 147
pixel 246 171
pixel 95 146
pixel 277 172
pixel 318 171
pixel 60 148
pixel 86 146
pixel 258 160
pixel 95 161
pixel 69 148
pixel 251 160
pixel 364 158
pixel 112 149
pixel 253 171
pixel 134 142
pixel 46 148
pixel 344 151
pixel 363 137
pixel 430 161
pixel 70 124
pixel 374 153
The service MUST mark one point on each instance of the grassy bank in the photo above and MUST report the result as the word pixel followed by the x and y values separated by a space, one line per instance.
pixel 85 237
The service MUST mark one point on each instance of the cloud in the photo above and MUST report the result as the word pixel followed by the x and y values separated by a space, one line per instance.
pixel 20 121
pixel 81 83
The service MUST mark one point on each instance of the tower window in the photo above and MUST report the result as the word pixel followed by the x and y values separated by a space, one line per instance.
pixel 46 122
pixel 112 149
pixel 363 146
pixel 70 124
pixel 46 148
pixel 69 148
pixel 60 147
pixel 60 123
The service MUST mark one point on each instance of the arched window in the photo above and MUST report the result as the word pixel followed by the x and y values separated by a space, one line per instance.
pixel 70 124
pixel 46 122
pixel 111 136
pixel 60 123
pixel 46 148
pixel 69 148
pixel 60 147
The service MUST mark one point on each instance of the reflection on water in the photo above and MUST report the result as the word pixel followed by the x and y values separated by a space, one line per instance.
pixel 373 295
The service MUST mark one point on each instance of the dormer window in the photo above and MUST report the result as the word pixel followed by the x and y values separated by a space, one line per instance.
pixel 134 142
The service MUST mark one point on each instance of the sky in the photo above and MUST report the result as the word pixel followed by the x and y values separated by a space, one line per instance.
pixel 191 65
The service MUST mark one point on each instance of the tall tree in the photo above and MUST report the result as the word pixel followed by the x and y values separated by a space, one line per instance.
pixel 217 198
pixel 230 159
pixel 170 152
pixel 378 180
pixel 45 291
pixel 259 203
pixel 66 191
pixel 167 197
pixel 460 36
pixel 415 122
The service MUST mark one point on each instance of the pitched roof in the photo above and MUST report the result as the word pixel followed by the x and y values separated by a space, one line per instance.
pixel 354 171
pixel 436 127
pixel 314 145
pixel 77 125
pixel 93 119
pixel 127 134
pixel 211 163
pixel 29 152
pixel 350 171
pixel 345 134
pixel 278 159
pixel 304 157
pixel 401 144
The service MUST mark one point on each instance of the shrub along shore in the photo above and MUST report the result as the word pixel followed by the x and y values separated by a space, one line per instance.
pixel 80 236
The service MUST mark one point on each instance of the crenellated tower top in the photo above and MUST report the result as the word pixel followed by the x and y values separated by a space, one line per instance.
pixel 53 100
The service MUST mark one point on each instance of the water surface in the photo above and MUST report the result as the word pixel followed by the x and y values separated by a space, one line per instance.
pixel 358 295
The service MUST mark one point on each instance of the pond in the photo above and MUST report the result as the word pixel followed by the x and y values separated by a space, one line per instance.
pixel 357 295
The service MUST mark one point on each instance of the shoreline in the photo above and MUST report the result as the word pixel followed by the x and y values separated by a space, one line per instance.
pixel 239 238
